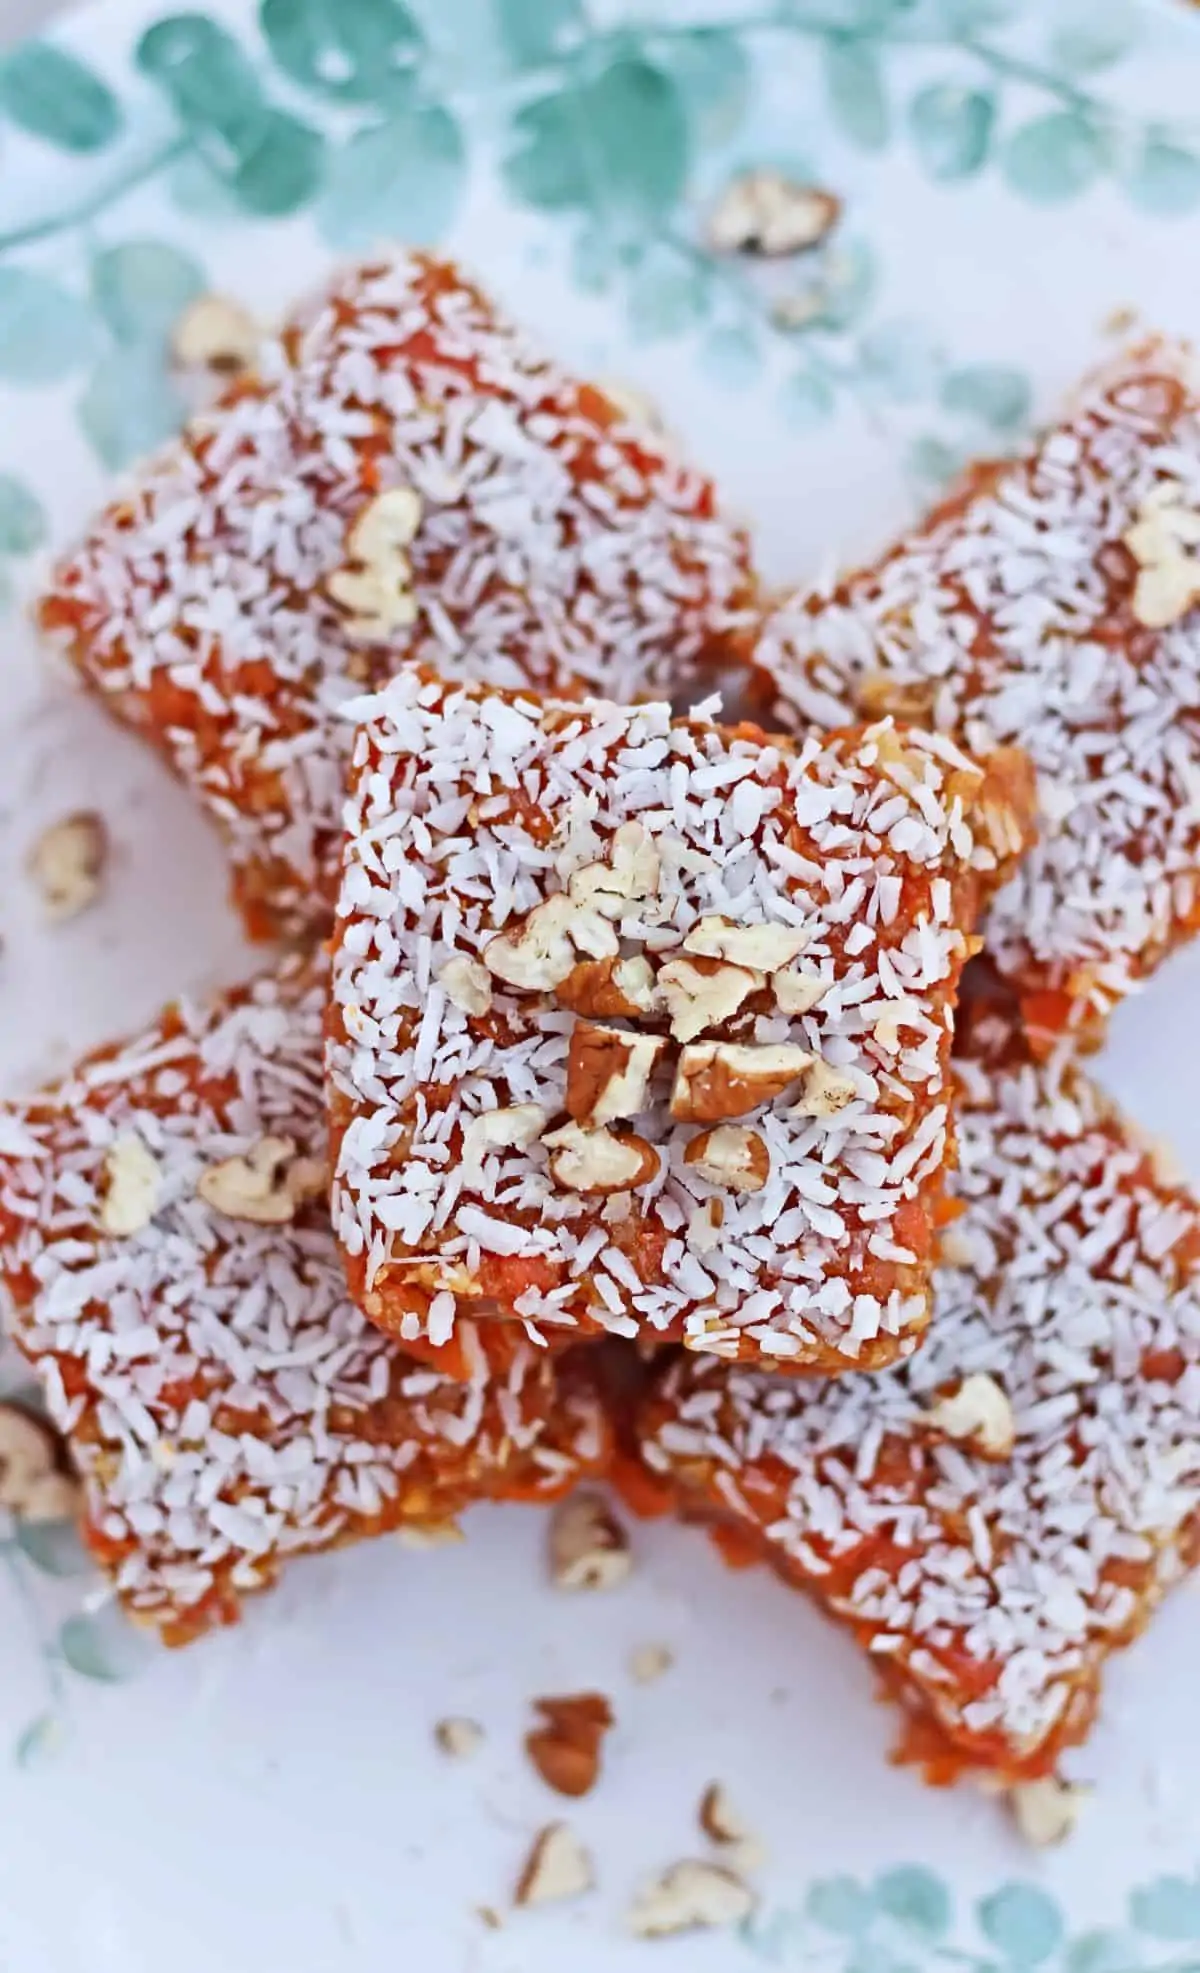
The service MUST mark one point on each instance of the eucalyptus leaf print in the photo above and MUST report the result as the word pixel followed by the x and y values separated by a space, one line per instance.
pixel 51 94
pixel 354 51
pixel 854 79
pixel 46 332
pixel 617 146
pixel 129 406
pixel 403 178
pixel 1023 1922
pixel 1054 158
pixel 271 159
pixel 22 517
pixel 1165 178
pixel 141 287
pixel 101 1645
pixel 952 126
pixel 533 32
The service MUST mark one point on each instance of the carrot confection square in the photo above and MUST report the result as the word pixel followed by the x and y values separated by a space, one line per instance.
pixel 1050 603
pixel 167 1254
pixel 643 1026
pixel 409 475
pixel 995 1517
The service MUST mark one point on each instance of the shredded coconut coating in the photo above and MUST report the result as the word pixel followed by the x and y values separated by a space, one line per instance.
pixel 476 815
pixel 226 1406
pixel 1015 615
pixel 560 544
pixel 989 1591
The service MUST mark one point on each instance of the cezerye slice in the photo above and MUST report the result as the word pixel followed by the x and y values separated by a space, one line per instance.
pixel 1052 603
pixel 995 1517
pixel 409 476
pixel 641 1026
pixel 166 1251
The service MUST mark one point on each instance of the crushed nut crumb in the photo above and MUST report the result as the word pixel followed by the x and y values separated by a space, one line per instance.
pixel 266 1186
pixel 132 1181
pixel 608 1072
pixel 466 984
pixel 701 993
pixel 732 1156
pixel 977 1414
pixel 517 1127
pixel 715 1080
pixel 598 1160
pixel 825 1092
pixel 1168 580
pixel 374 588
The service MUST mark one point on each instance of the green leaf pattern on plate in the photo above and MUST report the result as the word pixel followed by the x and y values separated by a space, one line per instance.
pixel 909 1920
pixel 349 110
pixel 54 96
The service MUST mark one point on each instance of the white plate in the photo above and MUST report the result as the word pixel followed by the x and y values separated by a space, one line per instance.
pixel 1012 174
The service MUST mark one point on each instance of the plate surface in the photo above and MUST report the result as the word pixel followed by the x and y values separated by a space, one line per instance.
pixel 1016 180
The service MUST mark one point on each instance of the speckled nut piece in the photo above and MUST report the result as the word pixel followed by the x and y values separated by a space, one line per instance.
pixel 225 1404
pixel 559 543
pixel 536 838
pixel 989 1580
pixel 1052 604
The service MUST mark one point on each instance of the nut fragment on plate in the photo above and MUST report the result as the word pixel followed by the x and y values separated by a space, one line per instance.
pixel 558 1867
pixel 769 213
pixel 598 1160
pixel 132 1181
pixel 374 587
pixel 977 1414
pixel 701 993
pixel 732 1156
pixel 267 1185
pixel 1168 581
pixel 216 334
pixel 458 1737
pixel 650 1662
pixel 1046 1810
pixel 722 1824
pixel 31 1485
pixel 608 1072
pixel 565 1749
pixel 466 984
pixel 589 1548
pixel 423 1535
pixel 67 863
pixel 688 1897
pixel 719 1079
